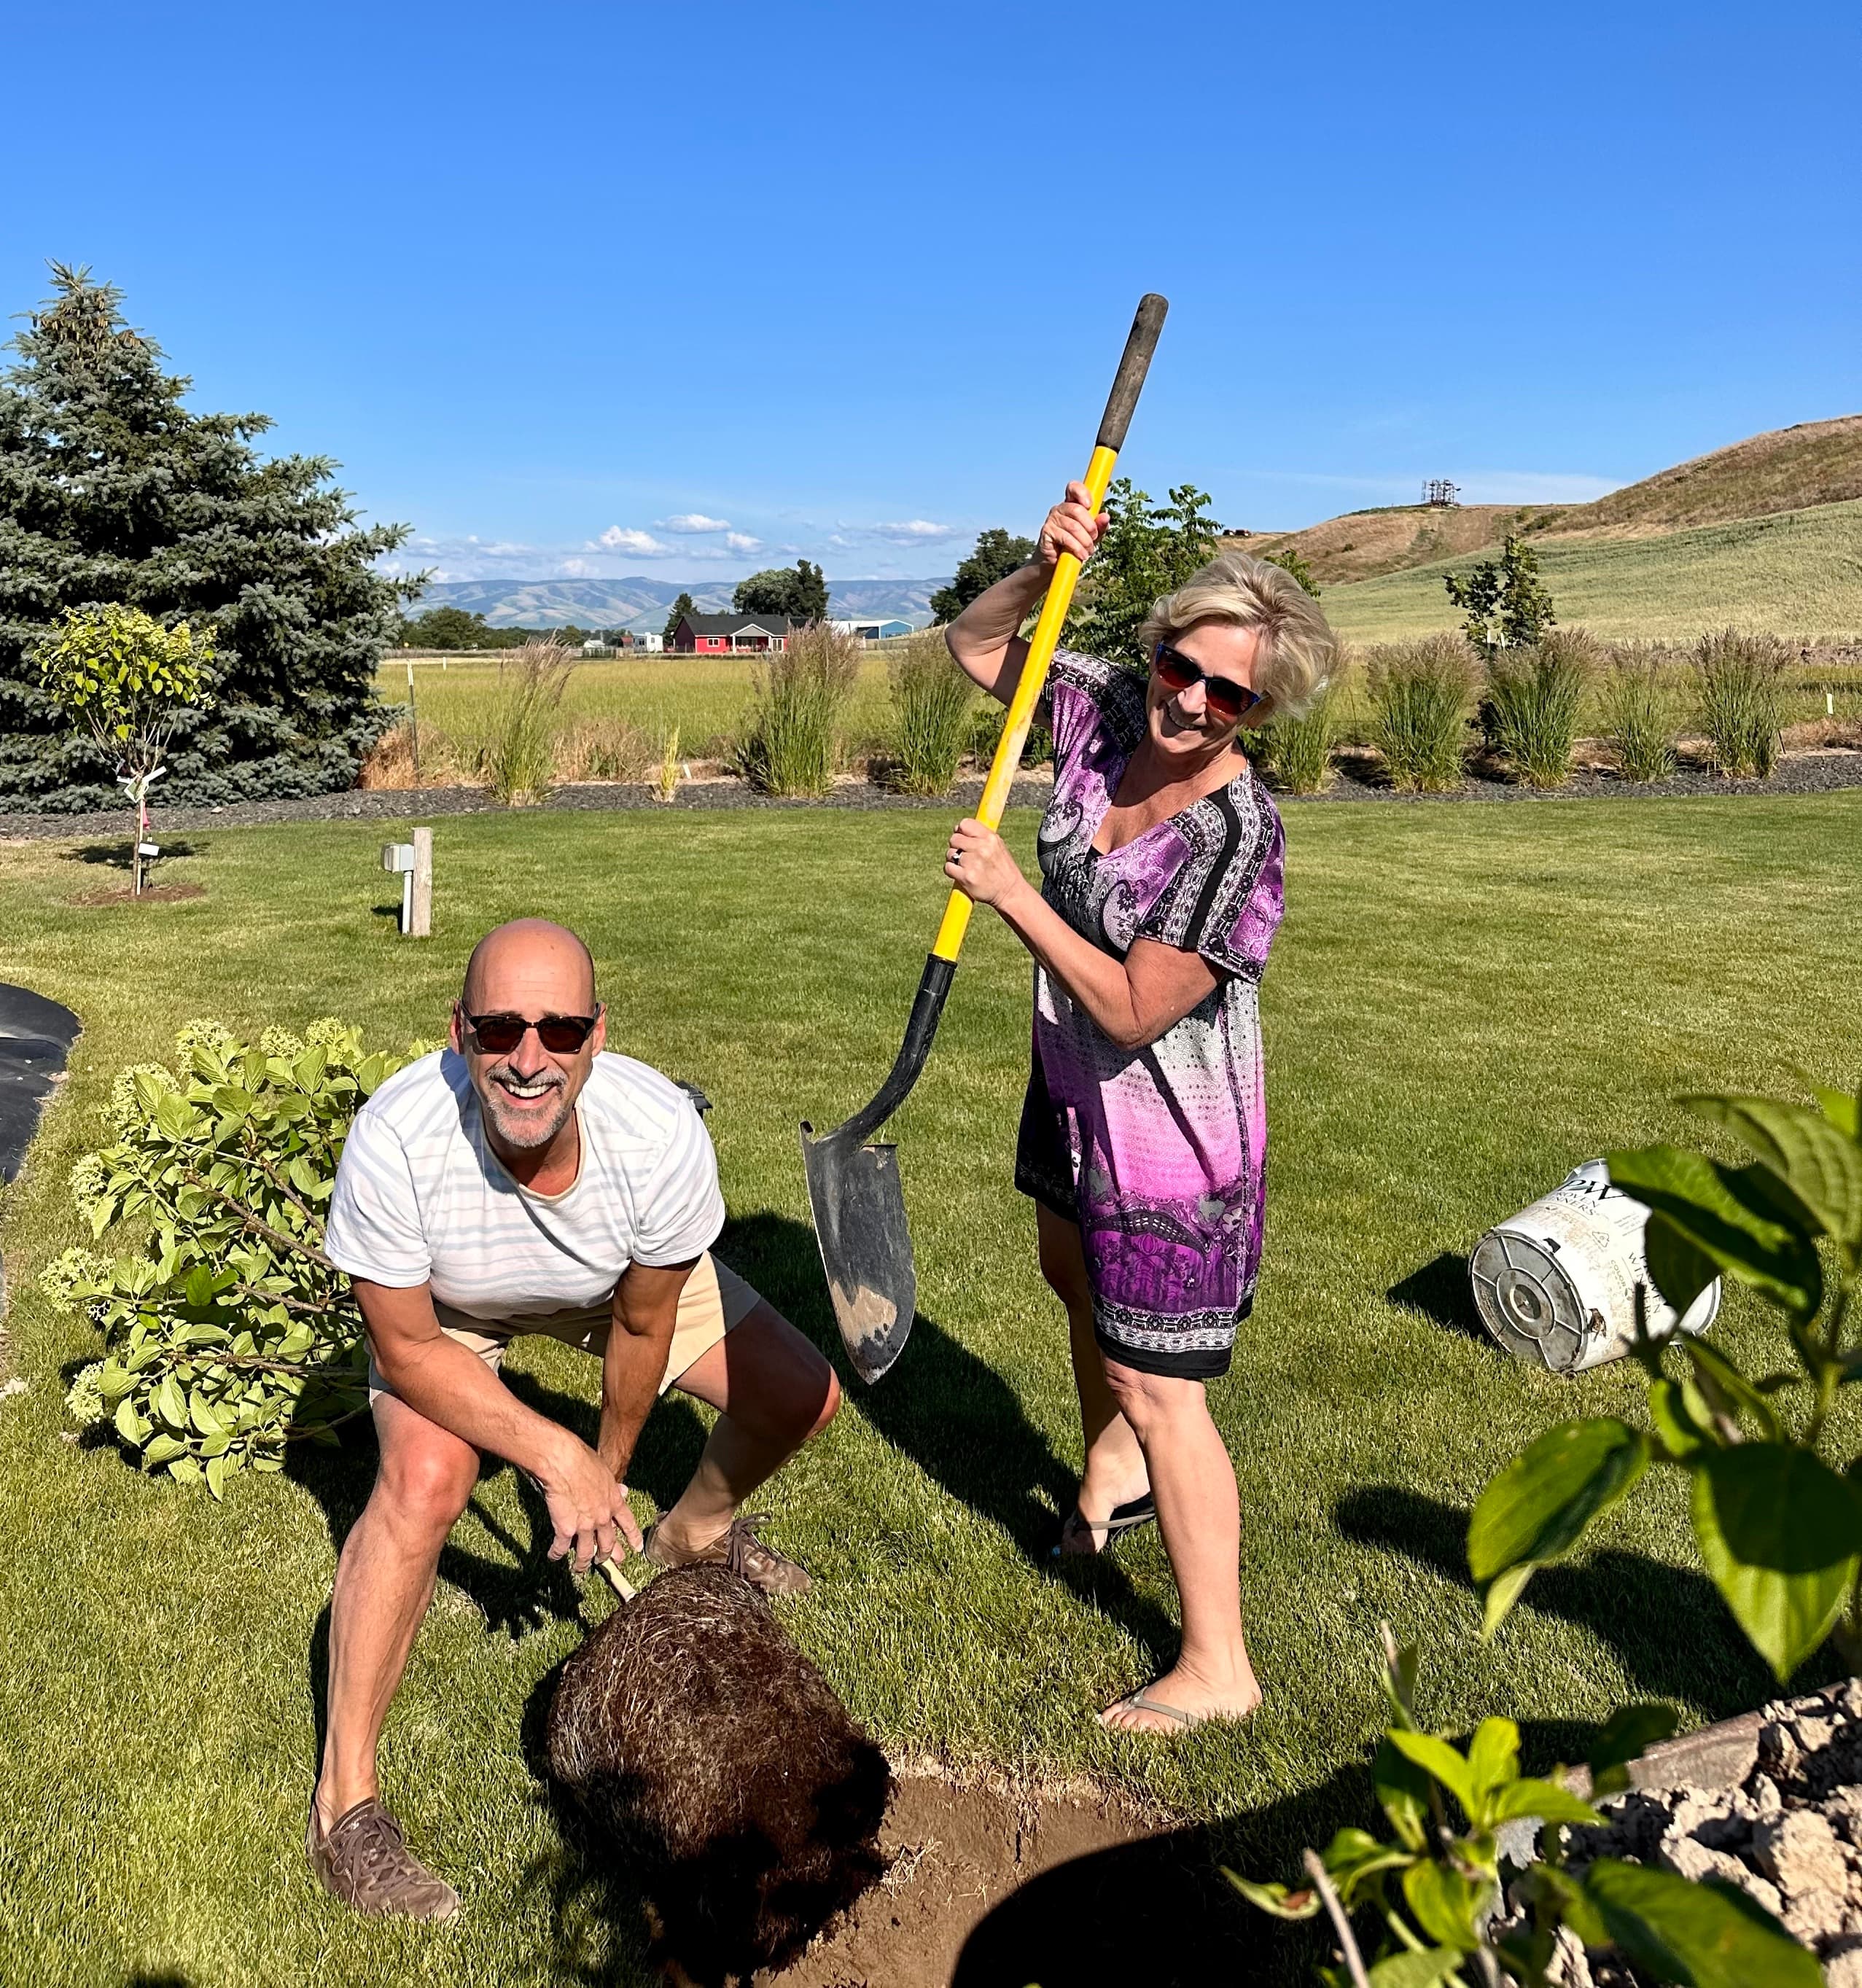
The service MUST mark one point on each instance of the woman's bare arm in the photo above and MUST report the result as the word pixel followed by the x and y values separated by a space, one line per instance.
pixel 1134 1000
pixel 985 639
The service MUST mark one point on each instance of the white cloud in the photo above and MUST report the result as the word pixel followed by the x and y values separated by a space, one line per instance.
pixel 694 521
pixel 742 542
pixel 913 531
pixel 624 538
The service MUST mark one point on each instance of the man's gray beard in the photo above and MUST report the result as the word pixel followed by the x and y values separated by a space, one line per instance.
pixel 527 1135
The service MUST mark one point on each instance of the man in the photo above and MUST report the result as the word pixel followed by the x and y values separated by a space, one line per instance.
pixel 523 1181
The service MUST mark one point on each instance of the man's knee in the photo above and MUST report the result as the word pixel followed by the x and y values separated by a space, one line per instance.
pixel 426 1483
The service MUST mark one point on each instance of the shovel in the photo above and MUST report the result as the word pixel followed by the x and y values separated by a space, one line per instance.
pixel 853 1182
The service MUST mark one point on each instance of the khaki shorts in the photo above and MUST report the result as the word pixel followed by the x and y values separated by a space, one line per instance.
pixel 714 1300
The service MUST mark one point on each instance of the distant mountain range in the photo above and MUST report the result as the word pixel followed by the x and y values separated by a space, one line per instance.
pixel 642 604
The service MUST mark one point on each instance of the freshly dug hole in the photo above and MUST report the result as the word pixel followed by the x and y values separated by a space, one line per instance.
pixel 746 1799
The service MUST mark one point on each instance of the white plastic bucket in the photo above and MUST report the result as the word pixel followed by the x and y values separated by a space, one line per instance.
pixel 1555 1284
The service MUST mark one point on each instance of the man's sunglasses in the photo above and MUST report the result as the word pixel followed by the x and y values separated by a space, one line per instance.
pixel 1227 700
pixel 562 1034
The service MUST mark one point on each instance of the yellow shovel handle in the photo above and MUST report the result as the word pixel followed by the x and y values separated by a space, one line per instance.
pixel 1126 385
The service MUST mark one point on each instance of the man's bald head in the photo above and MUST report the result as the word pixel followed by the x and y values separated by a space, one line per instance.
pixel 530 965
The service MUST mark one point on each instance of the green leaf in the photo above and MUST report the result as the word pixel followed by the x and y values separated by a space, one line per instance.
pixel 1355 1855
pixel 1283 1903
pixel 1415 1970
pixel 1536 1508
pixel 1680 1435
pixel 1679 1270
pixel 1842 1109
pixel 185 1470
pixel 216 1476
pixel 1493 1757
pixel 1627 1731
pixel 1706 1935
pixel 162 1449
pixel 1545 1800
pixel 171 1402
pixel 1731 1215
pixel 1780 1532
pixel 1445 1903
pixel 198 1291
pixel 1715 1374
pixel 1403 1793
pixel 1822 1166
pixel 1438 1759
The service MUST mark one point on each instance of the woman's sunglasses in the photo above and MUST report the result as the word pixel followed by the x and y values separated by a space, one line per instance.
pixel 1227 700
pixel 562 1034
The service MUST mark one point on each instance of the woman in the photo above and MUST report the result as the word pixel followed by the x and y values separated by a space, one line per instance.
pixel 1143 1133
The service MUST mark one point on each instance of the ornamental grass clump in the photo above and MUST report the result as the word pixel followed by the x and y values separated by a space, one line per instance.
pixel 1639 711
pixel 518 761
pixel 1421 696
pixel 229 1332
pixel 933 701
pixel 1535 693
pixel 1295 752
pixel 790 743
pixel 1740 679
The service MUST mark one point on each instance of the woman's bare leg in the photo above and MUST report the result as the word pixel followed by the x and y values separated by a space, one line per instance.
pixel 1115 1472
pixel 1199 1514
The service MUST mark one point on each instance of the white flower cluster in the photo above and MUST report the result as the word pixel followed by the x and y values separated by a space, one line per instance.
pixel 84 1402
pixel 124 1109
pixel 69 1279
pixel 205 1033
pixel 281 1043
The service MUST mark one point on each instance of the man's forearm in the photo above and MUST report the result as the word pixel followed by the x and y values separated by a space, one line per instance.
pixel 451 1385
pixel 630 1374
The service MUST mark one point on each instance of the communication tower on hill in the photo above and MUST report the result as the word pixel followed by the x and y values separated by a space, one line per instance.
pixel 1439 494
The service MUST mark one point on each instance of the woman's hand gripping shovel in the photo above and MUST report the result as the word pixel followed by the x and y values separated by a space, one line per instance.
pixel 854 1184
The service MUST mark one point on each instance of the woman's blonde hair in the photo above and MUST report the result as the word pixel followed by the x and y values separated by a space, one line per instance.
pixel 1298 651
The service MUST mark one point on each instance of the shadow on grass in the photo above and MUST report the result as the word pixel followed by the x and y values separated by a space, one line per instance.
pixel 1666 1625
pixel 1440 1291
pixel 116 855
pixel 955 1416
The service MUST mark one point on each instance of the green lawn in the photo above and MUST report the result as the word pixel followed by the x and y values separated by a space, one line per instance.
pixel 1795 572
pixel 1464 1000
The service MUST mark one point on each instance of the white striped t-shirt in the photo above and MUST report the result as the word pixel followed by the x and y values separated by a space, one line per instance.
pixel 420 1196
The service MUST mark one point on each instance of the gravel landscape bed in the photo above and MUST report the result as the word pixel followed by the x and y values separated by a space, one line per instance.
pixel 1771 1803
pixel 1821 772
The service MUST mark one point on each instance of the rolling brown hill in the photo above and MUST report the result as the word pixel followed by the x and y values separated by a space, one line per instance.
pixel 1786 469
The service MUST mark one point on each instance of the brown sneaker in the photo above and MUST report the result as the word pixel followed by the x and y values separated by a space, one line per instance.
pixel 365 1861
pixel 739 1549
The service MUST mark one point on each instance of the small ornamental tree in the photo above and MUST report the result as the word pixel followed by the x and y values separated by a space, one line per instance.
pixel 684 605
pixel 1148 550
pixel 1505 604
pixel 229 1332
pixel 1291 562
pixel 120 675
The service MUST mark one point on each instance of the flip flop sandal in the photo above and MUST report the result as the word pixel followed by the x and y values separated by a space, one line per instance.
pixel 1125 1519
pixel 1142 1701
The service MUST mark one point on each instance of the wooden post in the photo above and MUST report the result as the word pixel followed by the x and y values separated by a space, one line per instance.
pixel 420 924
pixel 414 722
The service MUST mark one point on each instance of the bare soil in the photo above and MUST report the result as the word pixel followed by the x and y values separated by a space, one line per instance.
pixel 993 1888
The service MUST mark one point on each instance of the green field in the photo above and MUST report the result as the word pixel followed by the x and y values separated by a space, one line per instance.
pixel 1463 1002
pixel 1796 571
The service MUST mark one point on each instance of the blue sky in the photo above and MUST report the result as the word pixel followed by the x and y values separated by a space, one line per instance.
pixel 684 291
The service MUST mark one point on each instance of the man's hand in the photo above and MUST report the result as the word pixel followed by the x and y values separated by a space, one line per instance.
pixel 588 1506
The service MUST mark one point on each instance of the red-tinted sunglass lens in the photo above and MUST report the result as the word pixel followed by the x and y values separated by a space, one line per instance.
pixel 1226 701
pixel 561 1033
pixel 1176 672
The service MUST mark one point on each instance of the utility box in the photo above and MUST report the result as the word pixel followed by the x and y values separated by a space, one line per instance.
pixel 413 862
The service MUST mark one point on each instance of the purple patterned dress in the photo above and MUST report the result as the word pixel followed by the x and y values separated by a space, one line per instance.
pixel 1157 1153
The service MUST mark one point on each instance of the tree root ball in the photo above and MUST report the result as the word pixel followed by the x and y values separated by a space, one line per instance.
pixel 746 1798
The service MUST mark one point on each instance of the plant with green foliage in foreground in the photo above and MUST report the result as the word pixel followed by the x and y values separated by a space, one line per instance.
pixel 1296 752
pixel 118 674
pixel 518 761
pixel 1436 1889
pixel 1533 697
pixel 1741 681
pixel 1777 1514
pixel 1506 605
pixel 934 701
pixel 1421 695
pixel 792 743
pixel 230 1333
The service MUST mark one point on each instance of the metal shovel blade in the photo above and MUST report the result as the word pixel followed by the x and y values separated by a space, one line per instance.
pixel 859 1208
pixel 866 1247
